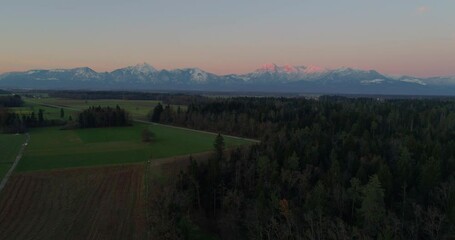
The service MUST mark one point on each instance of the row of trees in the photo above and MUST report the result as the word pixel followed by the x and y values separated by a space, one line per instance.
pixel 328 168
pixel 98 117
pixel 11 122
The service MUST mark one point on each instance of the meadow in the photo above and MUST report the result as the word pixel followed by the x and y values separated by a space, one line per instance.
pixel 52 148
pixel 9 147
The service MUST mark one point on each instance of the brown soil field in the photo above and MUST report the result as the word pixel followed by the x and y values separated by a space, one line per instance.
pixel 85 203
pixel 110 202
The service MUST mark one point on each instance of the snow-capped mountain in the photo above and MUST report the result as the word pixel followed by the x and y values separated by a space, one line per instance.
pixel 75 74
pixel 140 72
pixel 269 77
pixel 287 73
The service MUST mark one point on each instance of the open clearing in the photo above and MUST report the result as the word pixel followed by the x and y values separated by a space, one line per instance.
pixel 87 203
pixel 52 148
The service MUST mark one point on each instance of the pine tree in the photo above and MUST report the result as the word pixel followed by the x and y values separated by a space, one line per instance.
pixel 40 116
pixel 219 147
pixel 156 115
pixel 373 209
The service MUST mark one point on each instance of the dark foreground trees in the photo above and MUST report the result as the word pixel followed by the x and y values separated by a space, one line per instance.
pixel 331 168
pixel 11 101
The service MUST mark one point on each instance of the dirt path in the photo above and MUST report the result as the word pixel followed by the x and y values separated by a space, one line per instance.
pixel 16 161
pixel 194 130
pixel 158 124
pixel 170 160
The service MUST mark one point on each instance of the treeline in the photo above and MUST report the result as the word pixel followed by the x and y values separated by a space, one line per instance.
pixel 332 168
pixel 98 117
pixel 11 101
pixel 11 122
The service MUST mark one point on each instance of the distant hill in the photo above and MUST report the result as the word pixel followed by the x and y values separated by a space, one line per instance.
pixel 268 78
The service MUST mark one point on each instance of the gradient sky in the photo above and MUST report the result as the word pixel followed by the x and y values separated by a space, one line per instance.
pixel 236 36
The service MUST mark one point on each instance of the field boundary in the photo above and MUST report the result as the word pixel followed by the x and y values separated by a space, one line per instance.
pixel 194 130
pixel 158 124
pixel 16 161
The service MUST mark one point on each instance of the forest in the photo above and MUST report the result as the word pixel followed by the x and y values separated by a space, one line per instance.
pixel 97 117
pixel 327 168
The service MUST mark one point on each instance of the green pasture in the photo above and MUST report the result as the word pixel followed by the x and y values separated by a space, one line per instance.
pixel 52 148
pixel 9 147
pixel 4 167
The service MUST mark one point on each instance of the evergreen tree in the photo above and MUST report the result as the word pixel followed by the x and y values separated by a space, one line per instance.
pixel 40 116
pixel 156 115
pixel 219 147
pixel 355 194
pixel 373 209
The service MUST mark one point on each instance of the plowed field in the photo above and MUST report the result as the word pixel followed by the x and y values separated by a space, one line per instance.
pixel 85 203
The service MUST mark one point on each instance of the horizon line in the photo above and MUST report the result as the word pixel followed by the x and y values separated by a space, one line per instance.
pixel 225 74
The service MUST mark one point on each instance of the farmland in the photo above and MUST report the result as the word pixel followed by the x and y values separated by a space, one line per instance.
pixel 75 204
pixel 94 183
pixel 9 147
pixel 52 148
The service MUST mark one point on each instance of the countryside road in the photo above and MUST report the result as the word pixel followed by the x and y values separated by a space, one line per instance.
pixel 153 123
pixel 16 161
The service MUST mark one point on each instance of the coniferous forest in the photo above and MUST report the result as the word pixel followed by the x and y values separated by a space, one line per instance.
pixel 331 168
pixel 97 117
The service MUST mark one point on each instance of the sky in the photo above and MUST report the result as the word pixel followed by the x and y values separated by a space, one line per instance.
pixel 397 37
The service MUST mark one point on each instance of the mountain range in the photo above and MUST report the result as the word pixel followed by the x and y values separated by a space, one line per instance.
pixel 268 78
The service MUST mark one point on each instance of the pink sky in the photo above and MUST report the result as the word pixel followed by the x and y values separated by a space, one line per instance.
pixel 223 37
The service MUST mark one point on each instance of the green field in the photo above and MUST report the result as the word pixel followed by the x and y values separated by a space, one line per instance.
pixel 138 108
pixel 4 167
pixel 52 148
pixel 9 147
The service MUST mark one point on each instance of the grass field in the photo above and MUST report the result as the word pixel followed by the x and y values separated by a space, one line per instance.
pixel 4 167
pixel 9 147
pixel 52 148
